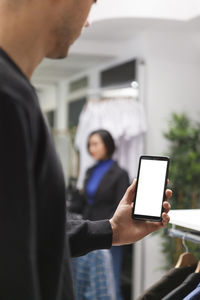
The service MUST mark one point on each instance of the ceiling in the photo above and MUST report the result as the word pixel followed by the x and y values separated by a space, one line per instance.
pixel 106 40
pixel 51 71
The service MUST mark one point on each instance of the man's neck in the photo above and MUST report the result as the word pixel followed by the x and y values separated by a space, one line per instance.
pixel 22 41
pixel 23 61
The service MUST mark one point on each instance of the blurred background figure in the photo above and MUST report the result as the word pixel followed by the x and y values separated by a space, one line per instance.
pixel 104 186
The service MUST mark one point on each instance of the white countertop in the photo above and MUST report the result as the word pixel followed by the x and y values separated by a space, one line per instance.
pixel 188 218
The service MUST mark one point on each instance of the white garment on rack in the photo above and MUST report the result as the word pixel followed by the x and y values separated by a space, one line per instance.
pixel 128 154
pixel 125 120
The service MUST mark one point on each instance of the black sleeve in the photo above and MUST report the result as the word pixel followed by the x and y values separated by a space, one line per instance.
pixel 85 236
pixel 18 272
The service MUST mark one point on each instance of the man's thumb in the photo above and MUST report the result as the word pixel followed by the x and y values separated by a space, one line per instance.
pixel 130 192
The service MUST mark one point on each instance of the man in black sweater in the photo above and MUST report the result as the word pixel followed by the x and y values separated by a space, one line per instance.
pixel 35 248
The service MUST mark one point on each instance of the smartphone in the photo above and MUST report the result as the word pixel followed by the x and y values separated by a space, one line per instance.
pixel 150 188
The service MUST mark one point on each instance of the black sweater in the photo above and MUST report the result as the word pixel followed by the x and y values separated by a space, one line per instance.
pixel 34 254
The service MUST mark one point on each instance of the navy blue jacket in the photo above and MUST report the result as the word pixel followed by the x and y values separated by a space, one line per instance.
pixel 108 195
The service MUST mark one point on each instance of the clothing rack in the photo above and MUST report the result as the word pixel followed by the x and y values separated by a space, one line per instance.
pixel 188 219
pixel 115 92
pixel 184 235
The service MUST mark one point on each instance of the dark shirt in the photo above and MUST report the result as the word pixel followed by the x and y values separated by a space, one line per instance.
pixel 34 252
pixel 194 295
pixel 185 288
pixel 167 283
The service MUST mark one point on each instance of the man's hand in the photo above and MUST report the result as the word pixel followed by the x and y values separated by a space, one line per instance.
pixel 125 229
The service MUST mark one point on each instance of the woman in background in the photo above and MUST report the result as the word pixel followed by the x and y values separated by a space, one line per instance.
pixel 104 186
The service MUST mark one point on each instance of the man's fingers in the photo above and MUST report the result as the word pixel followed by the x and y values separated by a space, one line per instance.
pixel 166 206
pixel 165 219
pixel 153 226
pixel 168 194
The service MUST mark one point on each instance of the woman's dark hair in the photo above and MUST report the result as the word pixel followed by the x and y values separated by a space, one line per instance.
pixel 107 140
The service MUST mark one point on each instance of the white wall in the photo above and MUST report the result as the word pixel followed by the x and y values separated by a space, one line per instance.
pixel 172 72
pixel 172 87
pixel 47 97
pixel 54 98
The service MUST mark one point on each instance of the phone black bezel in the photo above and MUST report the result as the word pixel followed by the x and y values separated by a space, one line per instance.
pixel 144 217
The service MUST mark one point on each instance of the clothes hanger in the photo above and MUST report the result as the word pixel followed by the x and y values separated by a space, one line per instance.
pixel 187 258
pixel 197 268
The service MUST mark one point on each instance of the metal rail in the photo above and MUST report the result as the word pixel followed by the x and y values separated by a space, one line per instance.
pixel 184 235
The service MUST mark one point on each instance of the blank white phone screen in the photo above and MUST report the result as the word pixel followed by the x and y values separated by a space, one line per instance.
pixel 150 188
